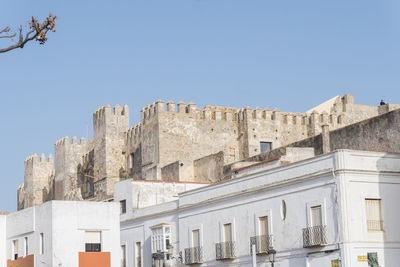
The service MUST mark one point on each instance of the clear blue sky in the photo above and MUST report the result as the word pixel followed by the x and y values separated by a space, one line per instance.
pixel 288 54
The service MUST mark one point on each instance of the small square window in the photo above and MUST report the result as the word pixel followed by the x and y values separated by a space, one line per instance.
pixel 265 146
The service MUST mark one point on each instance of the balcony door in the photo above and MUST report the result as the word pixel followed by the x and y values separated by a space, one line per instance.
pixel 196 238
pixel 316 216
pixel 228 232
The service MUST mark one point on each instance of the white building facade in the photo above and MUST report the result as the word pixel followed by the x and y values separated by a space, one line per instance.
pixel 62 234
pixel 337 209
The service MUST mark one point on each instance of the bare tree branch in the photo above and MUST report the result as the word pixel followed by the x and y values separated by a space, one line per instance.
pixel 37 31
pixel 6 31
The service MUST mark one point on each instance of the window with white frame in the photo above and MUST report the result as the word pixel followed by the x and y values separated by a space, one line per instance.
pixel 15 249
pixel 227 229
pixel 123 256
pixel 263 225
pixel 138 254
pixel 316 216
pixel 92 241
pixel 196 238
pixel 374 215
pixel 226 249
pixel 160 238
pixel 316 232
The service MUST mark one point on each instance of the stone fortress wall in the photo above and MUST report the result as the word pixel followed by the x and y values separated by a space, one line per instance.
pixel 173 142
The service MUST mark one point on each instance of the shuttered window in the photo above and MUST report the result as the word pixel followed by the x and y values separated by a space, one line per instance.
pixel 316 216
pixel 92 241
pixel 123 256
pixel 373 214
pixel 138 255
pixel 227 232
pixel 196 238
pixel 263 225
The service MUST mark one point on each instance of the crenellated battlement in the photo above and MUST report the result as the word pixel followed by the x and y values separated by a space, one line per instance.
pixel 134 133
pixel 210 112
pixel 117 110
pixel 32 159
pixel 74 141
pixel 290 118
pixel 207 113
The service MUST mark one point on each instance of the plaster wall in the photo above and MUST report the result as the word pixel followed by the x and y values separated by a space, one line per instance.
pixel 379 179
pixel 140 194
pixel 3 239
pixel 139 231
pixel 63 225
pixel 338 181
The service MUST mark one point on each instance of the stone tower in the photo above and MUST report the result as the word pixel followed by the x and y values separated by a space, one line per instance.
pixel 110 126
pixel 68 158
pixel 37 175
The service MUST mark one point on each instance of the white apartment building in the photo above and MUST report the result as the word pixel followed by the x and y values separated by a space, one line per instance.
pixel 337 209
pixel 61 234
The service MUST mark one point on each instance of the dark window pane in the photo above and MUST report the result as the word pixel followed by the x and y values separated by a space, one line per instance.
pixel 123 206
pixel 89 247
pixel 265 146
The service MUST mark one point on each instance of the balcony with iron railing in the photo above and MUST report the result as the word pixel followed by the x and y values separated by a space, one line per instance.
pixel 315 236
pixel 263 243
pixel 225 250
pixel 193 255
pixel 374 225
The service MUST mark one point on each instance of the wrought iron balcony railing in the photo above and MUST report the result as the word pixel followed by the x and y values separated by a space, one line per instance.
pixel 225 250
pixel 314 236
pixel 263 243
pixel 374 225
pixel 193 255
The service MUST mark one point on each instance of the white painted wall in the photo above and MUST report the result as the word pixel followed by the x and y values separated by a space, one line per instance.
pixel 338 181
pixel 63 224
pixel 140 194
pixel 3 238
pixel 139 230
pixel 369 175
